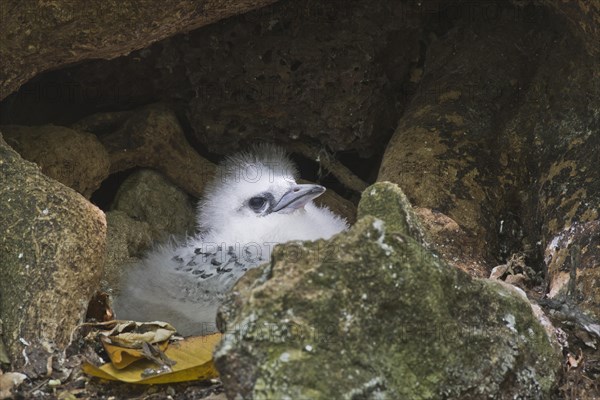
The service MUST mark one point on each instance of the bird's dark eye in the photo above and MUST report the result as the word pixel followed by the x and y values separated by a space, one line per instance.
pixel 257 203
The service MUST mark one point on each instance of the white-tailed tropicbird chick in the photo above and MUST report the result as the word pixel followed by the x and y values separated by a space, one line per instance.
pixel 252 204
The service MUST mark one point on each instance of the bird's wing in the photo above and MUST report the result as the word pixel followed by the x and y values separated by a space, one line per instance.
pixel 215 267
pixel 182 285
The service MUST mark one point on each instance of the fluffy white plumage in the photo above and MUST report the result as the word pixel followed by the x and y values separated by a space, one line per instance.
pixel 252 204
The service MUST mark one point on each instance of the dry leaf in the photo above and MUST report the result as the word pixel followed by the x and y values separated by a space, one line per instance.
pixel 130 334
pixel 121 357
pixel 192 357
pixel 124 341
pixel 133 334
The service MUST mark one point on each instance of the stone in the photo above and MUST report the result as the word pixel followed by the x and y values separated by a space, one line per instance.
pixel 51 256
pixel 149 197
pixel 151 137
pixel 562 141
pixel 148 209
pixel 373 314
pixel 126 240
pixel 386 201
pixel 324 89
pixel 442 153
pixel 41 36
pixel 433 229
pixel 74 158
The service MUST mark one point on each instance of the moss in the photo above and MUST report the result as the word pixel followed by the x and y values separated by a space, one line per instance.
pixel 386 201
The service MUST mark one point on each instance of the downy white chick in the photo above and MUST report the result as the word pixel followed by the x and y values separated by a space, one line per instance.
pixel 252 204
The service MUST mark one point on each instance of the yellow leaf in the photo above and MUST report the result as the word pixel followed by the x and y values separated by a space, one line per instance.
pixel 121 357
pixel 193 357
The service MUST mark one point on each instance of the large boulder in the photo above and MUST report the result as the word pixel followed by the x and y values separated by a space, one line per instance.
pixel 74 158
pixel 289 79
pixel 51 255
pixel 39 36
pixel 150 137
pixel 374 314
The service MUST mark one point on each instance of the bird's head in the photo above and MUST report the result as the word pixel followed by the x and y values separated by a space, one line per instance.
pixel 254 189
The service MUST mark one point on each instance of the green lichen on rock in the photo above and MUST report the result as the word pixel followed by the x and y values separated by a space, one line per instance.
pixel 373 314
pixel 386 201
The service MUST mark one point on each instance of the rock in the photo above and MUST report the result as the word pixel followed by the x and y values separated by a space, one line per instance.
pixel 74 158
pixel 498 271
pixel 8 382
pixel 41 36
pixel 386 201
pixel 147 209
pixel 436 231
pixel 126 240
pixel 564 200
pixel 336 87
pixel 147 196
pixel 151 137
pixel 583 18
pixel 572 258
pixel 51 252
pixel 451 241
pixel 275 92
pixel 443 152
pixel 373 314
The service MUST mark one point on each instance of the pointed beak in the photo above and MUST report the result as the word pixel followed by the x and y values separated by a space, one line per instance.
pixel 297 197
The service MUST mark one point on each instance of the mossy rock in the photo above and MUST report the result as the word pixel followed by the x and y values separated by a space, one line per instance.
pixel 373 314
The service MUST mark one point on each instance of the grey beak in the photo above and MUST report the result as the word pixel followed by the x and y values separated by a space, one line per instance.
pixel 297 197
